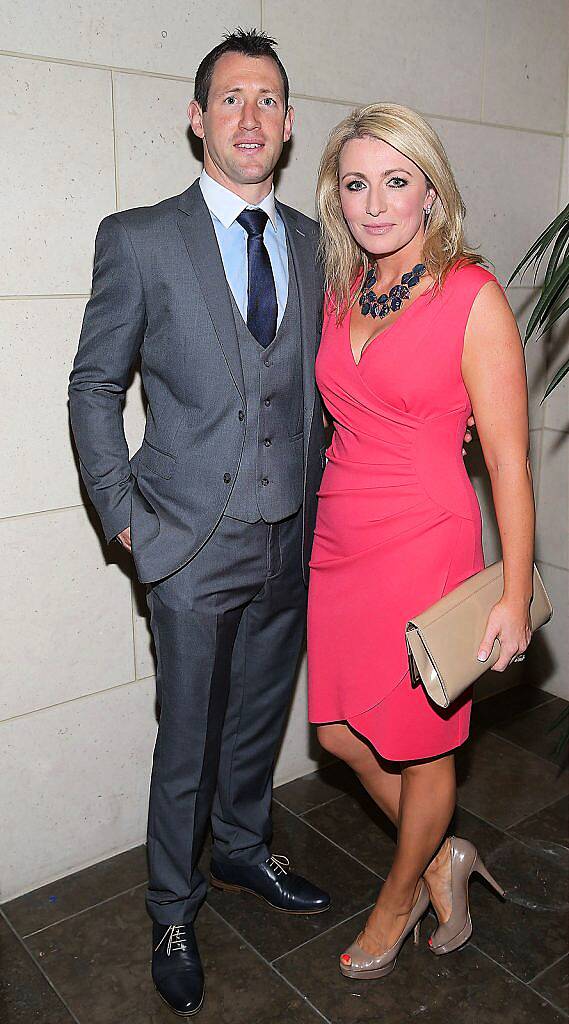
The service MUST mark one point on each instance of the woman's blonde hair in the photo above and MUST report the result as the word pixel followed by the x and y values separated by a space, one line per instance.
pixel 411 135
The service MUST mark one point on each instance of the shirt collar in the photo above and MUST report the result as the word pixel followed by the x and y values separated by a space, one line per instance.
pixel 227 206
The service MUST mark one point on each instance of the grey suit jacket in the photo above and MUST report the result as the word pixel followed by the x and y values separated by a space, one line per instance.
pixel 159 289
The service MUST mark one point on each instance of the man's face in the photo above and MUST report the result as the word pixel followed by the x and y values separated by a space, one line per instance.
pixel 245 124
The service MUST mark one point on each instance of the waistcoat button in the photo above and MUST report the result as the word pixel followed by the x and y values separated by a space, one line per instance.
pixel 264 481
pixel 227 478
pixel 268 442
pixel 267 401
pixel 241 415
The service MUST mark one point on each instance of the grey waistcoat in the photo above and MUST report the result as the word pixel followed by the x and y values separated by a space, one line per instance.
pixel 269 482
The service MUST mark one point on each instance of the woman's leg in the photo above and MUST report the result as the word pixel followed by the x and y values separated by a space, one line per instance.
pixel 428 793
pixel 382 783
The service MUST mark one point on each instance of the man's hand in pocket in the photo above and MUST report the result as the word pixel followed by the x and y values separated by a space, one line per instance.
pixel 124 539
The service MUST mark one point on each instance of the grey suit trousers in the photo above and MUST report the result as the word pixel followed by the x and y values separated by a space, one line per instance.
pixel 228 629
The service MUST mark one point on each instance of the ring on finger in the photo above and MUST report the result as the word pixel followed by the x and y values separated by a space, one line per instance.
pixel 519 657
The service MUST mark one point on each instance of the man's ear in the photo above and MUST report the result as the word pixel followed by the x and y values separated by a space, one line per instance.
pixel 288 123
pixel 195 115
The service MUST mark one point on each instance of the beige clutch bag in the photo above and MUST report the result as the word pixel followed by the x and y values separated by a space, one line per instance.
pixel 443 641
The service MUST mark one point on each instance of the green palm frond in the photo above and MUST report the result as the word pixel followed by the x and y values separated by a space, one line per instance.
pixel 552 304
pixel 553 301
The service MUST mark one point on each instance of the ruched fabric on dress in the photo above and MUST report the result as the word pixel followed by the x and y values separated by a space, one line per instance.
pixel 398 522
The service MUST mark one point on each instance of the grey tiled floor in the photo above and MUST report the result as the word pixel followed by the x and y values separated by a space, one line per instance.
pixel 78 950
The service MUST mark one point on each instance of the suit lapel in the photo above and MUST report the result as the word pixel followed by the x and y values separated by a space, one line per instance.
pixel 302 250
pixel 194 222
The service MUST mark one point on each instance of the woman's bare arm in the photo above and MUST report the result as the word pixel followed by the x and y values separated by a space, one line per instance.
pixel 493 369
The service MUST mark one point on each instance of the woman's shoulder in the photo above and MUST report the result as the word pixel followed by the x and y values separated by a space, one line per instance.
pixel 465 276
pixel 464 281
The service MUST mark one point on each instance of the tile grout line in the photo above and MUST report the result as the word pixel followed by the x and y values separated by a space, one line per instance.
pixel 93 906
pixel 314 938
pixel 548 968
pixel 552 764
pixel 484 60
pixel 520 980
pixel 39 967
pixel 268 963
pixel 555 430
pixel 52 295
pixel 331 841
pixel 505 831
pixel 560 204
pixel 504 828
pixel 539 810
pixel 23 297
pixel 539 456
pixel 431 115
pixel 133 617
pixel 94 65
pixel 550 1002
pixel 548 699
pixel 145 73
pixel 42 512
pixel 323 804
pixel 117 206
pixel 115 148
pixel 71 700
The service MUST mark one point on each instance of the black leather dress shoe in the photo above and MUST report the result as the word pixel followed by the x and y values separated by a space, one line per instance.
pixel 272 882
pixel 176 967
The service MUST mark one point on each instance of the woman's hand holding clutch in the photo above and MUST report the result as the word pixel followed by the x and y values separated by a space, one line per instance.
pixel 509 623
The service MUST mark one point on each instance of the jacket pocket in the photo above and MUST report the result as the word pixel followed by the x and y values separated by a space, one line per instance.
pixel 151 459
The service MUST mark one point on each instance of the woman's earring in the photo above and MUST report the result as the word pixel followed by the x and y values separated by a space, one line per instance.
pixel 427 211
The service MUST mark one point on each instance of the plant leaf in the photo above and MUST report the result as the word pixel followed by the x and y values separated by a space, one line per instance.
pixel 555 256
pixel 541 244
pixel 555 313
pixel 547 298
pixel 562 371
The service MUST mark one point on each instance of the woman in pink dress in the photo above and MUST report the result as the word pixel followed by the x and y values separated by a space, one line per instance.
pixel 417 336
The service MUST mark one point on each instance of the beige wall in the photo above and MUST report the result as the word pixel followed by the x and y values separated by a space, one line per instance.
pixel 93 120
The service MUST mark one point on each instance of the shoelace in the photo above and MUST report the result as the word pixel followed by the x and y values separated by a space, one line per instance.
pixel 279 864
pixel 176 936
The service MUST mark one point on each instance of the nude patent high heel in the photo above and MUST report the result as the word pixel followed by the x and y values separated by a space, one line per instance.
pixel 464 861
pixel 356 963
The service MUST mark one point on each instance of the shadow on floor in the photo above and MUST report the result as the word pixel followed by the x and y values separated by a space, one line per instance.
pixel 79 949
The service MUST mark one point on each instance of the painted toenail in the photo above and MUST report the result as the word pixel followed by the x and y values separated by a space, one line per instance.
pixel 346 959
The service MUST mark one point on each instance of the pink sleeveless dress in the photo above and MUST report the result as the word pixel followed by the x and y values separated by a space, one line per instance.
pixel 398 522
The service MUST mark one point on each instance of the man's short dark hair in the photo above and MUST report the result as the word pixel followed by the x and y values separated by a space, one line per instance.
pixel 251 44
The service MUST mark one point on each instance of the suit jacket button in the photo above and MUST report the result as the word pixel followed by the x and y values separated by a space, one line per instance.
pixel 268 442
pixel 264 481
pixel 227 478
pixel 241 415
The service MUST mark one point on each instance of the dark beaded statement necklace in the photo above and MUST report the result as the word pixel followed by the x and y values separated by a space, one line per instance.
pixel 381 305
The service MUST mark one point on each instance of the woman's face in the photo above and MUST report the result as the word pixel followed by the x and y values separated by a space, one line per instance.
pixel 383 195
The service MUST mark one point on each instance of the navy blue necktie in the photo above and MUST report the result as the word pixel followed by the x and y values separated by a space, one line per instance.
pixel 261 291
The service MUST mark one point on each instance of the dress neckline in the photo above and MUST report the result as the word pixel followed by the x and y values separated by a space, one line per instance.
pixel 385 330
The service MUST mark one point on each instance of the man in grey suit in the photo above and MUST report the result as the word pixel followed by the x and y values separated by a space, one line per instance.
pixel 219 291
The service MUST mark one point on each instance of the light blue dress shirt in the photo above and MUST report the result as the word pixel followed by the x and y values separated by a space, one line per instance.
pixel 224 207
